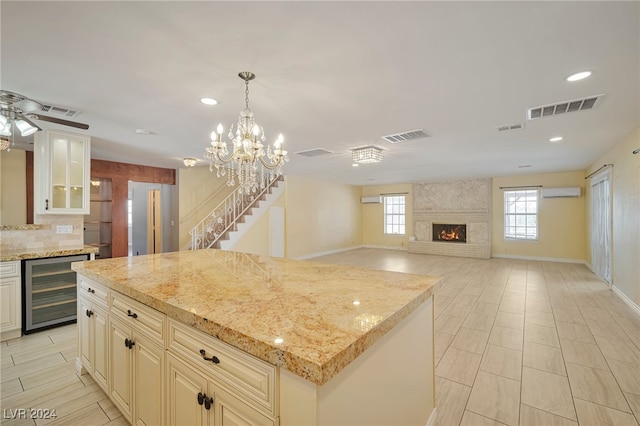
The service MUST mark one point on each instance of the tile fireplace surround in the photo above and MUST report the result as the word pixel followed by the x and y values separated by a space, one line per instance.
pixel 459 201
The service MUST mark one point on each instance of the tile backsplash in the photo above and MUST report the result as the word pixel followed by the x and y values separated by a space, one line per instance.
pixel 45 236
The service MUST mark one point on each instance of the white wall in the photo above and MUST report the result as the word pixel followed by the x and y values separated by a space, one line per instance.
pixel 13 184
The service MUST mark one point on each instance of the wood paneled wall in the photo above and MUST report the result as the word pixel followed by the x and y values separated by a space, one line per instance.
pixel 120 175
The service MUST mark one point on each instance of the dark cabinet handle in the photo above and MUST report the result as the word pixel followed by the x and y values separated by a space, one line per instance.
pixel 131 314
pixel 46 204
pixel 89 313
pixel 204 399
pixel 129 343
pixel 90 290
pixel 214 359
pixel 207 402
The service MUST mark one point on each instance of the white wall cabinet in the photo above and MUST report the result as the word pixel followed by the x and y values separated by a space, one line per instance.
pixel 10 300
pixel 62 167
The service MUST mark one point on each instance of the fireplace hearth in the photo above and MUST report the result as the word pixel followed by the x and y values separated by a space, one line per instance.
pixel 450 232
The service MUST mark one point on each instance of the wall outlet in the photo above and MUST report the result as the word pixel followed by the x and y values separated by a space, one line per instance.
pixel 64 229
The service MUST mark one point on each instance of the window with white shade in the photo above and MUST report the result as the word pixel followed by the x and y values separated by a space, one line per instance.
pixel 521 214
pixel 394 214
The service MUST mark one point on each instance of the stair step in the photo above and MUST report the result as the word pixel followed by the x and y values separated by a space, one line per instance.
pixel 239 227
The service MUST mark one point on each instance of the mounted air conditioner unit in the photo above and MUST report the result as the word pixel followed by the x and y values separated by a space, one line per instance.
pixel 376 199
pixel 560 192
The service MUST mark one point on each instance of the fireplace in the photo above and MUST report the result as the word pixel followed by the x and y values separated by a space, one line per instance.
pixel 450 232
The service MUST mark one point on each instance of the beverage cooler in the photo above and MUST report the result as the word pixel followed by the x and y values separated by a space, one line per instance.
pixel 49 292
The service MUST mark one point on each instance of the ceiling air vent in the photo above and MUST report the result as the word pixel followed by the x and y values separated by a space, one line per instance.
pixel 564 107
pixel 406 136
pixel 58 110
pixel 517 126
pixel 314 152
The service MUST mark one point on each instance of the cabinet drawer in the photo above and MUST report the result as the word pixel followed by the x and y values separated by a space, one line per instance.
pixel 94 291
pixel 10 269
pixel 248 377
pixel 143 318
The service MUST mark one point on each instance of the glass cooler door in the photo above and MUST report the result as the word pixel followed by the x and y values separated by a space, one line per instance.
pixel 49 292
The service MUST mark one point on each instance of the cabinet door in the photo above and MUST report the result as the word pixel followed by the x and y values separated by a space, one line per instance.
pixel 84 329
pixel 10 310
pixel 148 382
pixel 120 363
pixel 61 173
pixel 183 386
pixel 100 340
pixel 230 411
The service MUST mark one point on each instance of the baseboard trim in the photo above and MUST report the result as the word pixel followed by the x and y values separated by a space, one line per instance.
pixel 385 247
pixel 326 253
pixel 433 417
pixel 626 299
pixel 539 259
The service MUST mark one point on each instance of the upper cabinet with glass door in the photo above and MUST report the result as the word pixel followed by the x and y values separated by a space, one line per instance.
pixel 61 172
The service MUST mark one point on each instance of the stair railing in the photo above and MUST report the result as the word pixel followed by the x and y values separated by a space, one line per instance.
pixel 224 218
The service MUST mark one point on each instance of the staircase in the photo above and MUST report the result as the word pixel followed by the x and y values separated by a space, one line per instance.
pixel 224 226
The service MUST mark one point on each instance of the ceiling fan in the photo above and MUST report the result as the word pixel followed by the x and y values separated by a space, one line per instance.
pixel 20 110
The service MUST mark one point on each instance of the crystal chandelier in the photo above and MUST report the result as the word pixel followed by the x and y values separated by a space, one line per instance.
pixel 250 164
pixel 366 154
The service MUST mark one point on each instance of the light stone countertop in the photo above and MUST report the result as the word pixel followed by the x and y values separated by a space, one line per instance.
pixel 298 315
pixel 7 255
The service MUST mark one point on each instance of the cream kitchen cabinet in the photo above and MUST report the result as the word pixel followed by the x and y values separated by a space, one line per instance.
pixel 216 384
pixel 195 398
pixel 62 163
pixel 136 361
pixel 10 300
pixel 93 331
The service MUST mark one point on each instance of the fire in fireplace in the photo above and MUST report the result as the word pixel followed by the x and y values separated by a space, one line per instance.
pixel 450 232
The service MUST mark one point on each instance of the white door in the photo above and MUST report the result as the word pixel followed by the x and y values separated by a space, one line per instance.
pixel 276 231
pixel 601 225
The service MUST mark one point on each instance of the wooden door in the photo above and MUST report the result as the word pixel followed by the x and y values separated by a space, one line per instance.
pixel 154 222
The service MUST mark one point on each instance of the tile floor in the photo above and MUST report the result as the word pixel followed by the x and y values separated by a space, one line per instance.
pixel 523 342
pixel 517 343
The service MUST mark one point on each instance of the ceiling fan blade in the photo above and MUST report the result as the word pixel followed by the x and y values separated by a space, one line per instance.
pixel 60 121
pixel 31 123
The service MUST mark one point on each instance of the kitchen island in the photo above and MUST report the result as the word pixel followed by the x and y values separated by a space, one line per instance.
pixel 242 338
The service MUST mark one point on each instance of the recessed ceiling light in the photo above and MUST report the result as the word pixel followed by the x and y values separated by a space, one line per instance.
pixel 555 139
pixel 144 132
pixel 208 101
pixel 579 76
pixel 355 165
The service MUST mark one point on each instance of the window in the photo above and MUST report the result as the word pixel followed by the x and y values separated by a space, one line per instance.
pixel 394 214
pixel 521 214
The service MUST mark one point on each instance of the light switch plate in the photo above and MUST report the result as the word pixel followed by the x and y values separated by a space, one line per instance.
pixel 64 229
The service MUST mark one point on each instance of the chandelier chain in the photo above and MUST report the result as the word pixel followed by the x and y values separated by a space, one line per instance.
pixel 246 94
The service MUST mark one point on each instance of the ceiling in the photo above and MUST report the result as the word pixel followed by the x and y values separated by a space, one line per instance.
pixel 335 75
